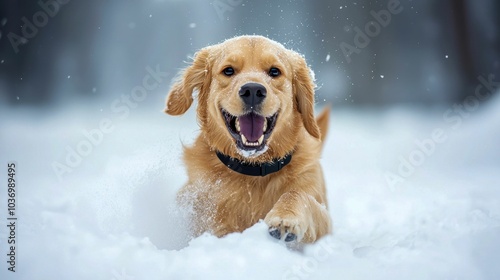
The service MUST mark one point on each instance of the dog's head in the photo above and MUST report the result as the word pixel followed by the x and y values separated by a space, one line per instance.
pixel 254 97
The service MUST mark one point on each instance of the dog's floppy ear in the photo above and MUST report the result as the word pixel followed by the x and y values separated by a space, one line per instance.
pixel 180 97
pixel 303 86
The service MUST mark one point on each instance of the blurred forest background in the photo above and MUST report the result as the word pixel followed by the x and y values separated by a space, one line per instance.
pixel 429 53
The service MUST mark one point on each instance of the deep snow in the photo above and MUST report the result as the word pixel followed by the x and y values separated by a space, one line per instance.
pixel 114 217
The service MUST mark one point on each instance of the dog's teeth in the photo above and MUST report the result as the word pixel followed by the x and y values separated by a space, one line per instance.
pixel 261 139
pixel 265 126
pixel 237 124
pixel 252 144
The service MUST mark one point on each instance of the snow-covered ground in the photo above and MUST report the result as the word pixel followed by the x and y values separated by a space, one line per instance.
pixel 113 216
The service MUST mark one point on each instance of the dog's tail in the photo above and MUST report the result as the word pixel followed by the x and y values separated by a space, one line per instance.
pixel 323 120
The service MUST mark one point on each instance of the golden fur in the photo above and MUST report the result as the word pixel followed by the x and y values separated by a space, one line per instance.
pixel 292 200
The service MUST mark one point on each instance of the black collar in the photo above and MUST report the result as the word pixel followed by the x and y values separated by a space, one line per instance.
pixel 254 170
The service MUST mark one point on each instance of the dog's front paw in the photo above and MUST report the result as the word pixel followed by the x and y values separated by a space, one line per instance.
pixel 287 227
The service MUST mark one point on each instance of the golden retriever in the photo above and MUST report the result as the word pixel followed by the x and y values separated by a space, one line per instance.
pixel 257 156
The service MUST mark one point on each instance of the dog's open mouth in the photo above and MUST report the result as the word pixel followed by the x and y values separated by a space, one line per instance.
pixel 250 131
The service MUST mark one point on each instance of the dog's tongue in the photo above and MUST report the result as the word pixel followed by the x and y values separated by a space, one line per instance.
pixel 251 125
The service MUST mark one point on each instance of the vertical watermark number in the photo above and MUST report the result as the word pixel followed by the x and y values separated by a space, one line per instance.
pixel 11 216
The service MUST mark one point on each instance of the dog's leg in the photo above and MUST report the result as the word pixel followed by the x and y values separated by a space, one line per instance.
pixel 298 216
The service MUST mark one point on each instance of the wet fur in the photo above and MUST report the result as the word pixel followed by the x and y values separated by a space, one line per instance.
pixel 223 201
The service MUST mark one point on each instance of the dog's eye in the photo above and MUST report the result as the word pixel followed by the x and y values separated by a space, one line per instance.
pixel 228 71
pixel 274 72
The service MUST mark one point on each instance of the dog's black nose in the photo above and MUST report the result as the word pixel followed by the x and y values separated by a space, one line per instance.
pixel 253 94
